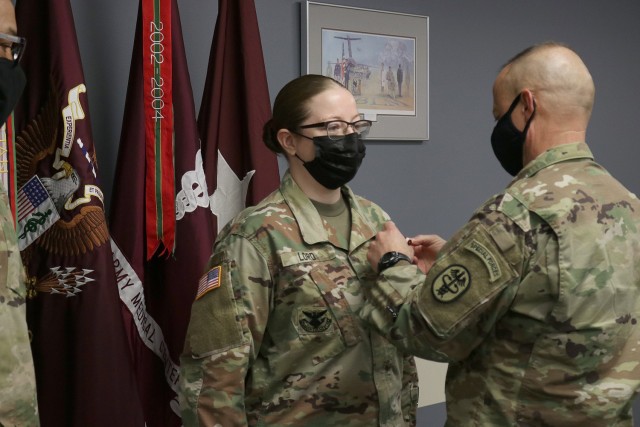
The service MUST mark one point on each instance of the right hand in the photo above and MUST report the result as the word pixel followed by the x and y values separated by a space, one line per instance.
pixel 426 248
pixel 387 240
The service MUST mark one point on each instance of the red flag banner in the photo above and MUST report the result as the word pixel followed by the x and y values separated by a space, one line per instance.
pixel 157 291
pixel 235 107
pixel 156 54
pixel 82 361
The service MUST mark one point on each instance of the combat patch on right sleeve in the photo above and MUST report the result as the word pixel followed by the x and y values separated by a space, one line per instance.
pixel 472 273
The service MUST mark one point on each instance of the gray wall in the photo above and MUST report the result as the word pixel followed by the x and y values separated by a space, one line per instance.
pixel 430 186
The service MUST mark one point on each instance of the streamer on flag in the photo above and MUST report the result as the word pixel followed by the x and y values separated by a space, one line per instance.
pixel 157 291
pixel 8 164
pixel 158 107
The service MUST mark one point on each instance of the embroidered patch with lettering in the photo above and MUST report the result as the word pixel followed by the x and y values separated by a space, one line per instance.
pixel 315 320
pixel 487 258
pixel 306 256
pixel 209 281
pixel 451 283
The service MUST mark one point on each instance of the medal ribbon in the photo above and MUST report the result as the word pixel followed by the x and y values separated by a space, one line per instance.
pixel 158 109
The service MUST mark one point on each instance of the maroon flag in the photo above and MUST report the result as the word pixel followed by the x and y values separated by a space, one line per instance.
pixel 82 361
pixel 235 106
pixel 158 290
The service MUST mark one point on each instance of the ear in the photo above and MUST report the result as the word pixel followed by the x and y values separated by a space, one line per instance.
pixel 529 103
pixel 286 140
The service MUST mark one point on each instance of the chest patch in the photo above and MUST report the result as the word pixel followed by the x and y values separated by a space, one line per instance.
pixel 315 320
pixel 451 283
pixel 306 256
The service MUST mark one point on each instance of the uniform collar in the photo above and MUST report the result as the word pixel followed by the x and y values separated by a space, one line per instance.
pixel 309 219
pixel 561 153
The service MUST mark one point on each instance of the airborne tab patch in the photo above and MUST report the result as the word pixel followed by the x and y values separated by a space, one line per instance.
pixel 209 281
pixel 451 283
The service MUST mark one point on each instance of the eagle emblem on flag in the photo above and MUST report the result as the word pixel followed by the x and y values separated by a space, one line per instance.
pixel 81 225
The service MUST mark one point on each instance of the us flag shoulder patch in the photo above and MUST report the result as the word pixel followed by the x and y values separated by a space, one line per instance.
pixel 209 281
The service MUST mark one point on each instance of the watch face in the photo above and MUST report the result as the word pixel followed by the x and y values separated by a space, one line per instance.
pixel 390 259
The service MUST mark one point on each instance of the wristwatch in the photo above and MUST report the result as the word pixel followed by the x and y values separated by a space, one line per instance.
pixel 390 259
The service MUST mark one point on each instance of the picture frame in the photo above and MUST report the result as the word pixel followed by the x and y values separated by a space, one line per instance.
pixel 382 57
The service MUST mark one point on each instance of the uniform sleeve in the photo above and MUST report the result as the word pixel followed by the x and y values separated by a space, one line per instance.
pixel 445 314
pixel 224 336
pixel 18 401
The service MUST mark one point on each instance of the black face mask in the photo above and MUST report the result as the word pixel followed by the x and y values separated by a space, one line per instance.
pixel 336 161
pixel 508 142
pixel 12 83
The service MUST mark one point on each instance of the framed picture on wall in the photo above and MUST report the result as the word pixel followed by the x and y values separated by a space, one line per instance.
pixel 381 57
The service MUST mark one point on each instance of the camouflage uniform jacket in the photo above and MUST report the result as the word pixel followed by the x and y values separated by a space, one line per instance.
pixel 534 303
pixel 279 342
pixel 18 402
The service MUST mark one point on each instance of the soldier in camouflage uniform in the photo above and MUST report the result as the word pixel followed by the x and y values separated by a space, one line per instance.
pixel 274 337
pixel 535 302
pixel 18 402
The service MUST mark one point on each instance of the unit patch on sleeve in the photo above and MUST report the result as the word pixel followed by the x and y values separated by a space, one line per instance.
pixel 209 281
pixel 464 281
pixel 451 283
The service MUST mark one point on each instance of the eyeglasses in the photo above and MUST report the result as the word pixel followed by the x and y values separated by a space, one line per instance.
pixel 336 129
pixel 16 44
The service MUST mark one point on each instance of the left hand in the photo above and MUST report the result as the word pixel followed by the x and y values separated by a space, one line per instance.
pixel 388 240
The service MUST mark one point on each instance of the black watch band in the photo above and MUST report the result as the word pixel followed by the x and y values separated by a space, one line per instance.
pixel 390 259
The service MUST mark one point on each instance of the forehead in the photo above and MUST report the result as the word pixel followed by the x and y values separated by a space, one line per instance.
pixel 335 102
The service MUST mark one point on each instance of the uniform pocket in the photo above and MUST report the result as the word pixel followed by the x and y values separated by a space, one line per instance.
pixel 337 303
pixel 311 283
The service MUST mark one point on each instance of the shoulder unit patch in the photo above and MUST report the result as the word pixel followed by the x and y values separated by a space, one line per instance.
pixel 451 283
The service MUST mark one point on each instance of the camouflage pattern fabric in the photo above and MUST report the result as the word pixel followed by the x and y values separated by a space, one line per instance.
pixel 534 303
pixel 18 401
pixel 277 341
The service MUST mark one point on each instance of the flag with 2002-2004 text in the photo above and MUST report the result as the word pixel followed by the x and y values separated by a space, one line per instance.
pixel 158 268
pixel 82 361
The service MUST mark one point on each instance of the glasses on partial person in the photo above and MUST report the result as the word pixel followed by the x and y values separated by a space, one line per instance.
pixel 15 43
pixel 336 129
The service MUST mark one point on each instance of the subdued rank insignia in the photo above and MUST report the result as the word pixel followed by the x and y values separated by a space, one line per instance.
pixel 450 284
pixel 209 281
pixel 315 320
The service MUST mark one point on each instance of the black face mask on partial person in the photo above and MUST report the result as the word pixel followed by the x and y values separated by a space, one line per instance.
pixel 508 142
pixel 12 83
pixel 336 161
